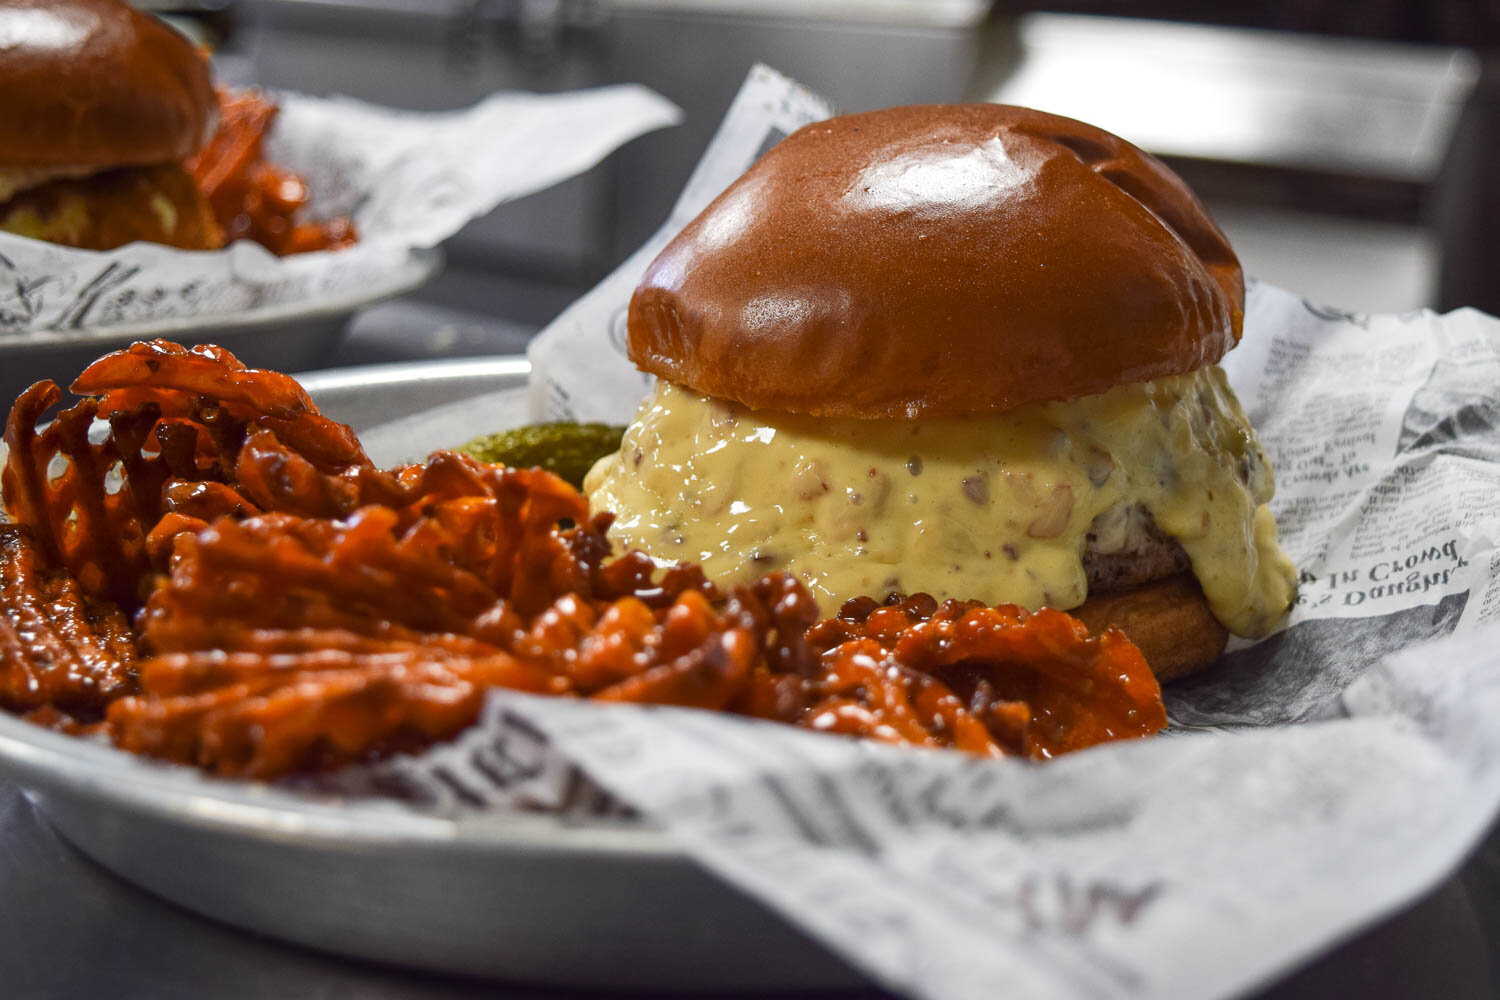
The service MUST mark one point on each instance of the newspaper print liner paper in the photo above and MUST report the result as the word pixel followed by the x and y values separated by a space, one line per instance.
pixel 408 179
pixel 1313 782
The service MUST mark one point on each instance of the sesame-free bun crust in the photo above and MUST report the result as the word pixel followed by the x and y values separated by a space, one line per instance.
pixel 939 261
pixel 96 83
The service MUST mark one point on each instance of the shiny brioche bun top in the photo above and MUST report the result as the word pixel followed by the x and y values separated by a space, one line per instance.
pixel 96 83
pixel 939 261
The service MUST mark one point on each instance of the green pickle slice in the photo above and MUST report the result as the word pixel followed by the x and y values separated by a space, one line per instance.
pixel 565 449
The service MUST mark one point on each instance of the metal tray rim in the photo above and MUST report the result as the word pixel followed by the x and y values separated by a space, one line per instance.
pixel 395 374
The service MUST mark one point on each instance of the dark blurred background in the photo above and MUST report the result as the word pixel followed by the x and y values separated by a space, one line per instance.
pixel 1345 147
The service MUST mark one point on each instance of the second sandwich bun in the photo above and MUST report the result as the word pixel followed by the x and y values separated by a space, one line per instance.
pixel 97 83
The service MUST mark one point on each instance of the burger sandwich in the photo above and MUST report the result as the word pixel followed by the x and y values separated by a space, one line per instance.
pixel 968 350
pixel 102 105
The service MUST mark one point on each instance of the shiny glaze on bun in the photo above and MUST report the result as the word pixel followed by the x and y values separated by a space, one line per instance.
pixel 96 83
pixel 939 261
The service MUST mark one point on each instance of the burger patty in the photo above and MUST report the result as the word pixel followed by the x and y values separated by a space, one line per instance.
pixel 1125 549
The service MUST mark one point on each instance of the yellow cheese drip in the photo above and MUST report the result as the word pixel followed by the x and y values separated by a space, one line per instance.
pixel 994 508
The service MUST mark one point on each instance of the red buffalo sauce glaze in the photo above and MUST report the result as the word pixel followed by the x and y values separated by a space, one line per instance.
pixel 251 197
pixel 996 681
pixel 220 573
pixel 63 656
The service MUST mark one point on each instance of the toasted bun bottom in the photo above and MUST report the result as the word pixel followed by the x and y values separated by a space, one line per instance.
pixel 1169 620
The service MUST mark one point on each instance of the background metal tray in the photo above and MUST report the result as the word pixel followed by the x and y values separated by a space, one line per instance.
pixel 287 337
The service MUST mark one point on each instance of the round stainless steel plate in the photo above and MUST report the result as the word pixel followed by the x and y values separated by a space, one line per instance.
pixel 515 895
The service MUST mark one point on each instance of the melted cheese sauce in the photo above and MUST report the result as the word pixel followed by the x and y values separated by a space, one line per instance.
pixel 989 508
pixel 65 224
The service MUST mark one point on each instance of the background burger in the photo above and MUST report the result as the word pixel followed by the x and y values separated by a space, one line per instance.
pixel 102 104
pixel 969 350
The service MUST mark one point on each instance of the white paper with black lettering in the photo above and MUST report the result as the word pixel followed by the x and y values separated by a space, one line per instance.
pixel 579 368
pixel 1194 865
